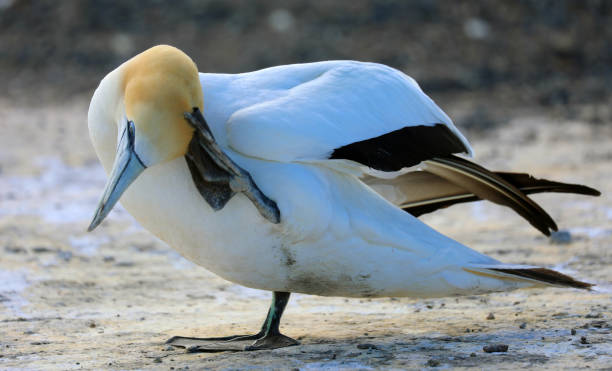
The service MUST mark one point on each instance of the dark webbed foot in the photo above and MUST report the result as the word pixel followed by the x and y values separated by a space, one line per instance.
pixel 234 343
pixel 215 344
pixel 272 342
pixel 269 337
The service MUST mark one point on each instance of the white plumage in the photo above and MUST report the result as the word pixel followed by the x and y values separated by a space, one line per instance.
pixel 303 112
pixel 337 236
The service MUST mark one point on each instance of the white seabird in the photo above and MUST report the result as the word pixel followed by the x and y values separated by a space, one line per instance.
pixel 302 178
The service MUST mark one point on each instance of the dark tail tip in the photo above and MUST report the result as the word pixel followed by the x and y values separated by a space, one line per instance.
pixel 547 276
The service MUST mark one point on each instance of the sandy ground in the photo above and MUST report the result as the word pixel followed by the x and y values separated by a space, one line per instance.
pixel 109 299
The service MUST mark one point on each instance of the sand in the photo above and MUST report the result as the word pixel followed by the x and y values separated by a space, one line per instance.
pixel 109 299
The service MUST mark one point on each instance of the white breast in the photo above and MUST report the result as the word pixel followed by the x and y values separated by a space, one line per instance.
pixel 233 242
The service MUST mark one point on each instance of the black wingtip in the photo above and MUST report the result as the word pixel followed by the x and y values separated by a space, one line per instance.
pixel 589 191
pixel 530 184
pixel 546 275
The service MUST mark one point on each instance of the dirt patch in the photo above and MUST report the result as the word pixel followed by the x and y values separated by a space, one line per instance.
pixel 109 299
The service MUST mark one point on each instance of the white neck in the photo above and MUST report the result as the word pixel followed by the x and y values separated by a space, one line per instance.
pixel 106 111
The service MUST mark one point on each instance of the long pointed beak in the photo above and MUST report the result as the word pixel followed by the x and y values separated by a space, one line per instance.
pixel 125 170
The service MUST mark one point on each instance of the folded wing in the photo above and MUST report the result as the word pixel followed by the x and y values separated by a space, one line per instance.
pixel 372 116
pixel 365 112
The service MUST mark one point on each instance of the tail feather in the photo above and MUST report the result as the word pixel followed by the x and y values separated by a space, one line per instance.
pixel 534 274
pixel 451 180
pixel 453 195
pixel 487 185
pixel 466 182
pixel 528 185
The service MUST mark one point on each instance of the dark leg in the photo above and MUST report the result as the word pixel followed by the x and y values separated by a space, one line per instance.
pixel 269 337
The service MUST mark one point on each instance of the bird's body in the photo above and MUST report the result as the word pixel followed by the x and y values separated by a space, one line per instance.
pixel 341 239
pixel 336 237
pixel 293 129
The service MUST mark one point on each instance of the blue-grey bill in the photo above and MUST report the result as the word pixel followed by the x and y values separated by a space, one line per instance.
pixel 125 170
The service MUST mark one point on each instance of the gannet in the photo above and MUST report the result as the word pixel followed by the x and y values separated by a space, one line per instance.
pixel 302 178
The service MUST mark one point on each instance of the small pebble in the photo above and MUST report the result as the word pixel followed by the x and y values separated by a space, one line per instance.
pixel 472 354
pixel 573 331
pixel 65 255
pixel 491 316
pixel 15 250
pixel 560 237
pixel 125 264
pixel 494 348
pixel 599 324
pixel 157 360
pixel 366 346
pixel 41 250
pixel 593 315
pixel 583 340
pixel 433 363
pixel 523 325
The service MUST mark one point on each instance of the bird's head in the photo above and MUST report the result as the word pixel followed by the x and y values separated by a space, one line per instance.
pixel 156 88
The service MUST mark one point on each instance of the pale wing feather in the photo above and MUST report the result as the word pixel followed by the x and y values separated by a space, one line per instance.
pixel 414 188
pixel 344 103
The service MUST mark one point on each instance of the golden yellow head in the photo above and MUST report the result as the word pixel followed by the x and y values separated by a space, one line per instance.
pixel 160 85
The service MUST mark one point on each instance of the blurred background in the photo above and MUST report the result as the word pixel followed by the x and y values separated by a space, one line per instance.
pixel 519 53
pixel 528 81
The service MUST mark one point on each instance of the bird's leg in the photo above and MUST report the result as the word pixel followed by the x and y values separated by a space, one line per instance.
pixel 239 179
pixel 269 337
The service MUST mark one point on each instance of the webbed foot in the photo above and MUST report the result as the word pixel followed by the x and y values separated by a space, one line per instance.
pixel 272 342
pixel 269 337
pixel 215 344
pixel 235 343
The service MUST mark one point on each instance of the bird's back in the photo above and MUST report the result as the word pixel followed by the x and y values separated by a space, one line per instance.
pixel 305 111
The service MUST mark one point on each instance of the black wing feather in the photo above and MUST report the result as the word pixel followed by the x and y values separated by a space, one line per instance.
pixel 402 148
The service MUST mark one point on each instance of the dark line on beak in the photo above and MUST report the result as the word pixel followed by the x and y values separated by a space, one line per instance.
pixel 131 129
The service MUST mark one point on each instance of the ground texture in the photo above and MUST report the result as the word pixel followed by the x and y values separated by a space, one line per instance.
pixel 109 299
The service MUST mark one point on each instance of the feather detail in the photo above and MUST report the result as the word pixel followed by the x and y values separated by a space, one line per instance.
pixel 529 184
pixel 426 192
pixel 537 275
pixel 487 185
pixel 402 148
